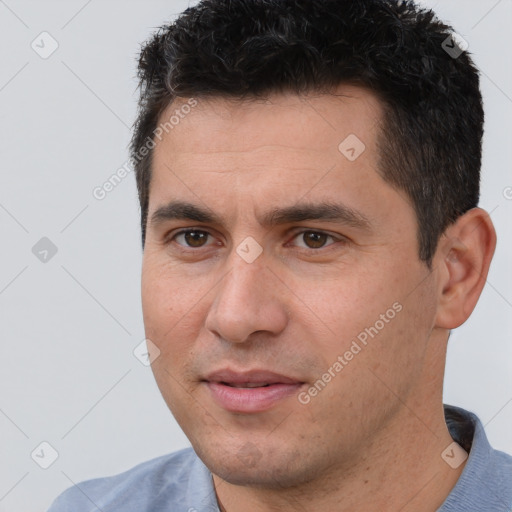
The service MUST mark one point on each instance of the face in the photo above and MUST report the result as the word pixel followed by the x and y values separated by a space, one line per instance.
pixel 281 284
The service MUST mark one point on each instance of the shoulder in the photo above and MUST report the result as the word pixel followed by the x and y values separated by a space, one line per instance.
pixel 141 488
pixel 496 471
pixel 486 481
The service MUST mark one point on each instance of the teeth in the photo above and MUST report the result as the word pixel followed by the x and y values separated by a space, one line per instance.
pixel 249 385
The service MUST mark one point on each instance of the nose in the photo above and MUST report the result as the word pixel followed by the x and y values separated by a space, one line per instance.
pixel 246 302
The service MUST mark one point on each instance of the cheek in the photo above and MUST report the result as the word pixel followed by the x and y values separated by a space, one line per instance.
pixel 380 320
pixel 174 308
pixel 163 300
pixel 165 290
pixel 344 305
pixel 397 342
pixel 157 303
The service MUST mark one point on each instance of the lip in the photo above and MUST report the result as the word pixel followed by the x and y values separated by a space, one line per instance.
pixel 246 399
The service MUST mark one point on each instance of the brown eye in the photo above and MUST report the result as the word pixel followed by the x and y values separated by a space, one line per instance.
pixel 314 239
pixel 192 238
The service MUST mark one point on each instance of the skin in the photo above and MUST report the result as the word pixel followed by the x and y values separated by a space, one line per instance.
pixel 294 310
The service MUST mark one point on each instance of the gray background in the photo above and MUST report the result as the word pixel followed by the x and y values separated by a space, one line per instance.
pixel 69 325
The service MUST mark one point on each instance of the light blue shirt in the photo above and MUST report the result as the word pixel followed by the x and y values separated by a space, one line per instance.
pixel 180 482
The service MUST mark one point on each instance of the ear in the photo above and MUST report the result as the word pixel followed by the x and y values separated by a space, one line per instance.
pixel 463 258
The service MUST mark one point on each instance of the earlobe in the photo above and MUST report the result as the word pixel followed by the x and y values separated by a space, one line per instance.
pixel 463 258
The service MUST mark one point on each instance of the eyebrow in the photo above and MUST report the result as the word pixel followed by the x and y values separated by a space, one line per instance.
pixel 326 211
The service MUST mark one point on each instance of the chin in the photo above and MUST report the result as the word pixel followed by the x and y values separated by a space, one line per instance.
pixel 253 465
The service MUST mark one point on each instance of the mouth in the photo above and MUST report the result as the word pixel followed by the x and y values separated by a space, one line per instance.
pixel 248 384
pixel 250 391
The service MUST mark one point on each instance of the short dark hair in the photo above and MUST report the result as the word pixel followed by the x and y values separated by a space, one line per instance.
pixel 431 135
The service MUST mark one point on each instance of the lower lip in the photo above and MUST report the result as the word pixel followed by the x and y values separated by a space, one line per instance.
pixel 249 400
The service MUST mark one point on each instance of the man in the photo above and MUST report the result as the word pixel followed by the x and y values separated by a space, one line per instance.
pixel 308 174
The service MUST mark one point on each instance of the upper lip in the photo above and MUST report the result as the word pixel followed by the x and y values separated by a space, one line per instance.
pixel 250 376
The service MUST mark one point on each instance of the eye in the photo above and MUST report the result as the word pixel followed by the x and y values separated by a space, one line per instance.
pixel 313 239
pixel 193 238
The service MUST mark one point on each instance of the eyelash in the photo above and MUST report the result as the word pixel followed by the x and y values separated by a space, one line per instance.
pixel 186 248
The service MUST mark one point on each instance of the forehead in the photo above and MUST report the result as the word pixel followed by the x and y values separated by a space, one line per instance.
pixel 313 123
pixel 285 136
pixel 241 159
